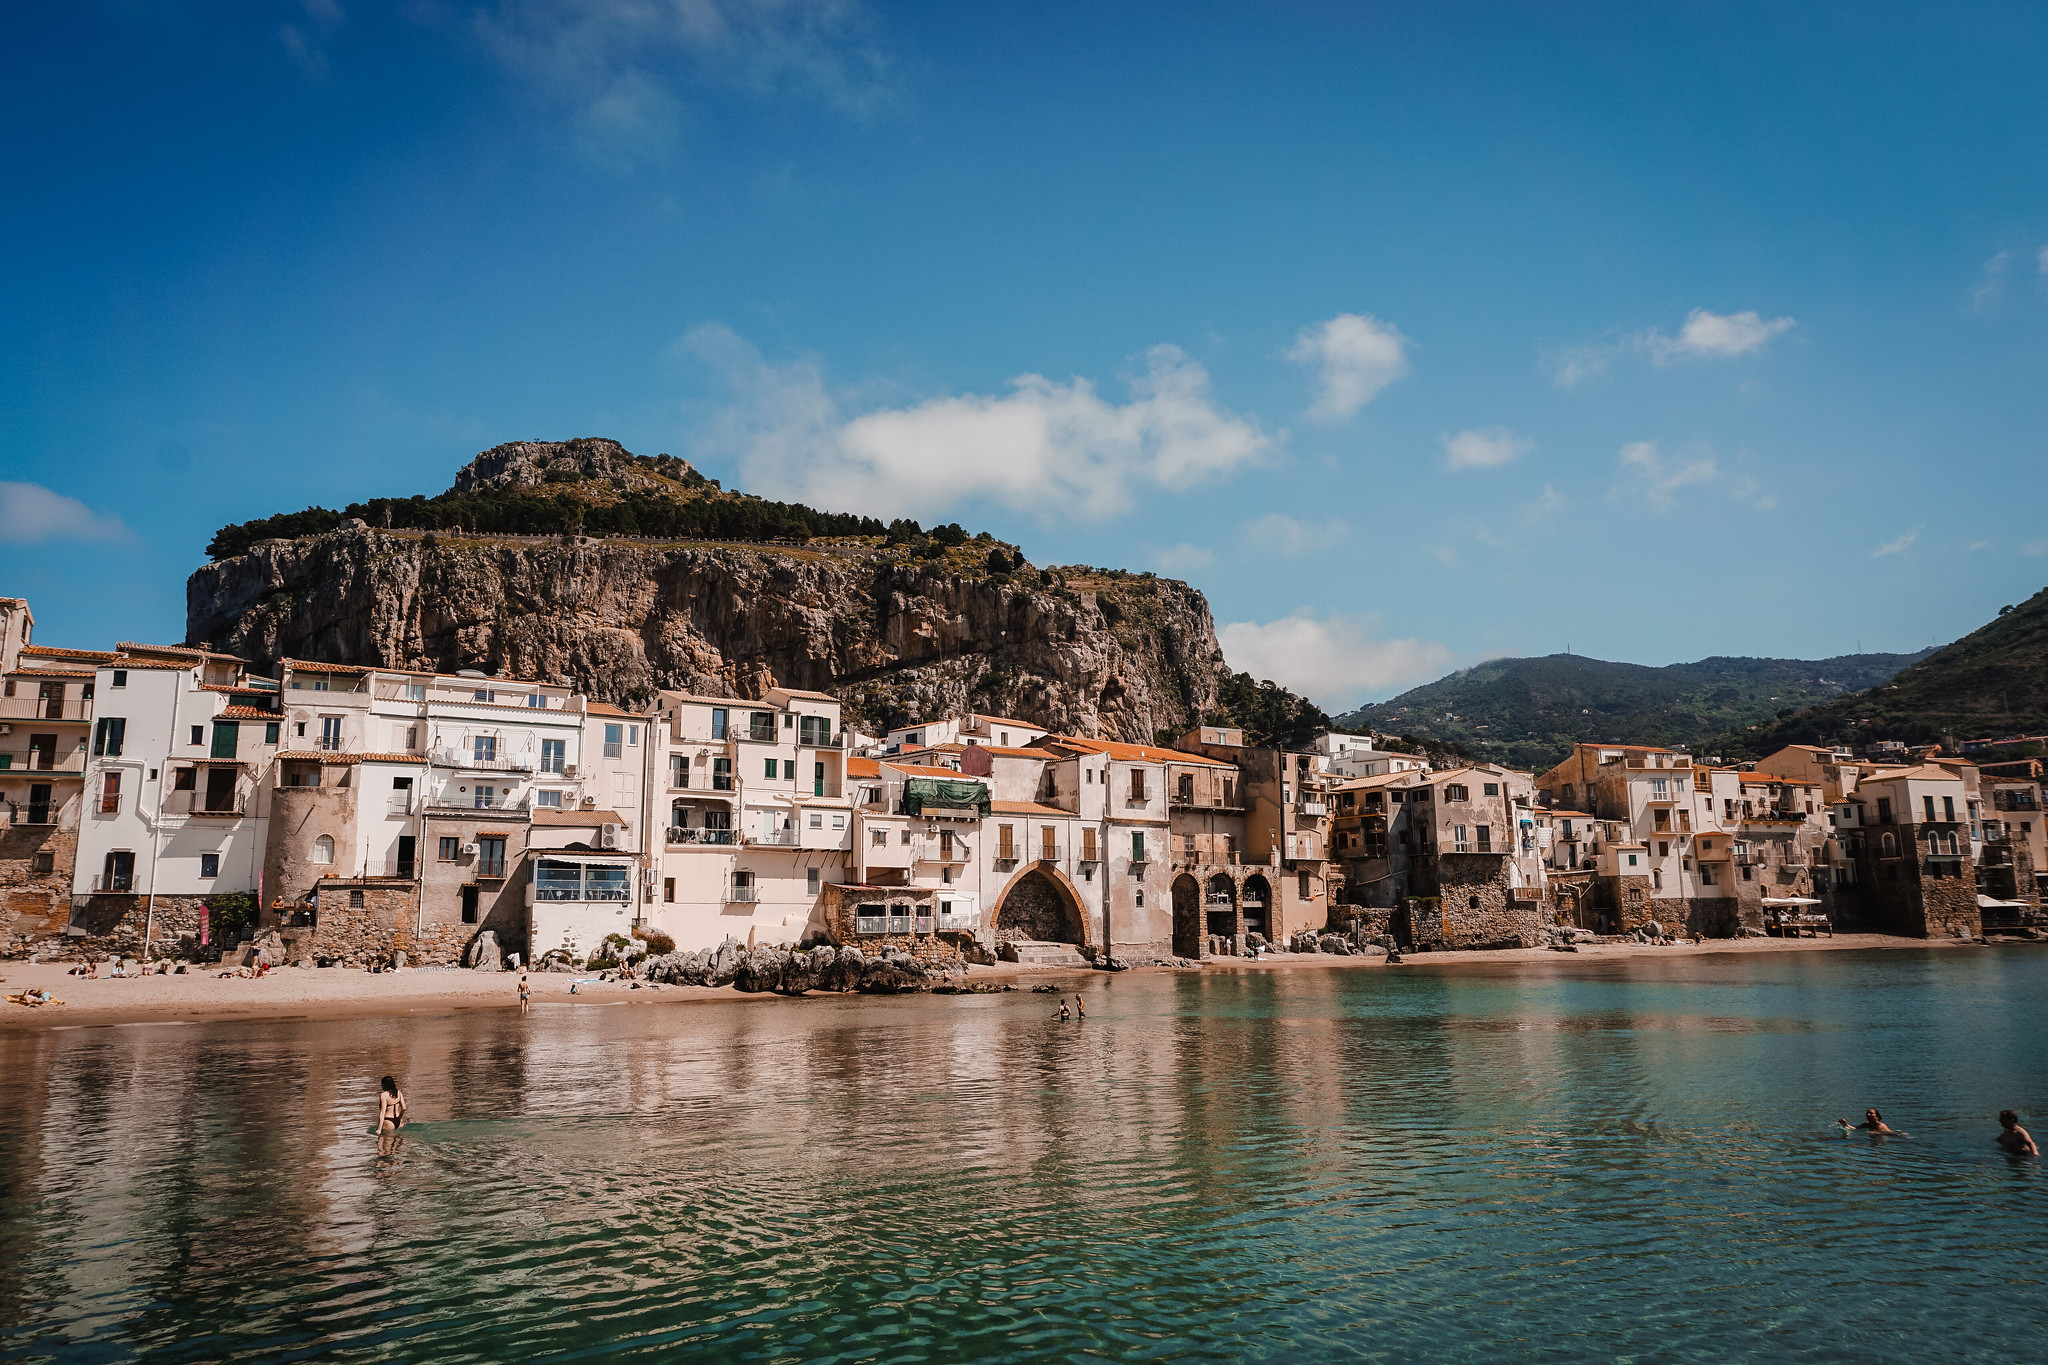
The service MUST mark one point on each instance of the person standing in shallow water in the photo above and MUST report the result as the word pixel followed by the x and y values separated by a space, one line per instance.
pixel 390 1106
pixel 525 994
pixel 1873 1123
pixel 2016 1140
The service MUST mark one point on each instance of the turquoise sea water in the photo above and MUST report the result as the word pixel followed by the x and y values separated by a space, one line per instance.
pixel 1561 1160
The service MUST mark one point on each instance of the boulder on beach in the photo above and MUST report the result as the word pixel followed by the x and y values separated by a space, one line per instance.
pixel 484 954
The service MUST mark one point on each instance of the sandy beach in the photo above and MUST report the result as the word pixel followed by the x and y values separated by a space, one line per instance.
pixel 302 993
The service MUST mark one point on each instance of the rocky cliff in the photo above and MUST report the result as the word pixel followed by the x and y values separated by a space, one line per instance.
pixel 898 631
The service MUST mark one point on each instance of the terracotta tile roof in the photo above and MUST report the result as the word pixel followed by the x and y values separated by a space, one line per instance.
pixel 246 713
pixel 1134 753
pixel 125 645
pixel 856 766
pixel 270 691
pixel 926 770
pixel 1924 772
pixel 1029 808
pixel 1570 814
pixel 1009 720
pixel 318 756
pixel 308 666
pixel 392 758
pixel 70 674
pixel 129 663
pixel 542 815
pixel 1005 751
pixel 604 708
pixel 52 652
pixel 800 692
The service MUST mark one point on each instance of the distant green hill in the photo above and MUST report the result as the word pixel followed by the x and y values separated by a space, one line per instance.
pixel 1992 682
pixel 1529 712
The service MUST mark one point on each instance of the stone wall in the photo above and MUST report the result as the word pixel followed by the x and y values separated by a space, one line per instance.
pixel 842 902
pixel 1903 894
pixel 34 906
pixel 387 922
pixel 1478 909
pixel 115 926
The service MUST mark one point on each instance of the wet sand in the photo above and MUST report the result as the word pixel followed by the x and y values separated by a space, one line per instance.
pixel 332 992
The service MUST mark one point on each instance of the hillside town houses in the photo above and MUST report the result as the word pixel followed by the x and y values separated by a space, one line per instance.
pixel 169 801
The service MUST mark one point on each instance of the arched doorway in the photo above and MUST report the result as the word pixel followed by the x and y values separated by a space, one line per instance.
pixel 1037 908
pixel 1221 904
pixel 1258 906
pixel 1187 917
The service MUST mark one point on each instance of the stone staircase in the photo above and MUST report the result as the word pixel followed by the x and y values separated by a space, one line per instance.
pixel 1036 953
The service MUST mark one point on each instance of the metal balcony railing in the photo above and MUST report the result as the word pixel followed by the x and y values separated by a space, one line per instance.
pixel 742 895
pixel 680 835
pixel 774 838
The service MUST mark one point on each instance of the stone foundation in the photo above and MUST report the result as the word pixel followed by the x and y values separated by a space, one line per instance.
pixel 1475 907
pixel 386 923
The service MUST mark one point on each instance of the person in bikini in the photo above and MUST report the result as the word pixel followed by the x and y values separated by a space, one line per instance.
pixel 390 1106
pixel 2016 1140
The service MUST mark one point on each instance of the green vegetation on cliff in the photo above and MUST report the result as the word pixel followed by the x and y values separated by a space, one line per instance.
pixel 1529 712
pixel 1991 683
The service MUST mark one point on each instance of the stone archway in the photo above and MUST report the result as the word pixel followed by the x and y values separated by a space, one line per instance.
pixel 1220 905
pixel 1036 907
pixel 1187 917
pixel 1257 900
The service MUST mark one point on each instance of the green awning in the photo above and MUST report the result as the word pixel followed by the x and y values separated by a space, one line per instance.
pixel 949 793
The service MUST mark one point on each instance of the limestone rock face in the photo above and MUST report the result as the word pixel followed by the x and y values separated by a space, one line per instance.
pixel 895 638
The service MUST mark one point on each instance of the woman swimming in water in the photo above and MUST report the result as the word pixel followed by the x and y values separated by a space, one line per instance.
pixel 1873 1123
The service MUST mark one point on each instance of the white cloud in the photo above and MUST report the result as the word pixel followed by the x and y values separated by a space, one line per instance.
pixel 1976 545
pixel 1991 280
pixel 2037 546
pixel 1896 544
pixel 624 65
pixel 1355 355
pixel 1054 449
pixel 1289 536
pixel 1704 336
pixel 1544 506
pixel 1333 660
pixel 1656 477
pixel 1182 558
pixel 1485 449
pixel 31 514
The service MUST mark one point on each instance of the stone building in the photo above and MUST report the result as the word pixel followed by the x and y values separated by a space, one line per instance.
pixel 46 700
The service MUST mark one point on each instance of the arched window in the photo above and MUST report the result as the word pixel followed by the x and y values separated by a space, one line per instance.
pixel 323 849
pixel 1890 845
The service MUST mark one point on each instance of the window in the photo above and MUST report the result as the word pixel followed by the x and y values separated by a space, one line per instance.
pixel 815 730
pixel 839 821
pixel 119 873
pixel 330 733
pixel 1137 784
pixel 110 793
pixel 811 878
pixel 552 754
pixel 355 898
pixel 413 691
pixel 1485 833
pixel 878 838
pixel 450 848
pixel 490 856
pixel 1888 846
pixel 906 838
pixel 678 771
pixel 1492 789
pixel 721 774
pixel 1884 810
pixel 1458 835
pixel 816 820
pixel 718 722
pixel 761 725
pixel 1087 845
pixel 1138 898
pixel 484 748
pixel 537 702
pixel 1006 846
pixel 1631 860
pixel 1930 807
pixel 1457 791
pixel 668 890
pixel 209 865
pixel 1663 849
pixel 1706 875
pixel 108 734
pixel 549 800
pixel 483 694
pixel 198 735
pixel 486 798
pixel 614 741
pixel 789 770
pixel 624 794
pixel 1048 845
pixel 469 907
pixel 1185 789
pixel 184 779
pixel 1948 808
pixel 769 767
pixel 270 732
pixel 42 862
pixel 1137 848
pixel 323 850
pixel 120 678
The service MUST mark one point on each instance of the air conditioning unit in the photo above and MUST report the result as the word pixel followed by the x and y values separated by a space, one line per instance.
pixel 590 803
pixel 469 850
pixel 6 729
pixel 569 770
pixel 608 836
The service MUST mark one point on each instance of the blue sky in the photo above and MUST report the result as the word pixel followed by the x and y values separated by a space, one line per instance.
pixel 1410 334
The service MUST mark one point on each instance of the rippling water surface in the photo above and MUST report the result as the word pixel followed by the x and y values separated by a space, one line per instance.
pixel 1560 1159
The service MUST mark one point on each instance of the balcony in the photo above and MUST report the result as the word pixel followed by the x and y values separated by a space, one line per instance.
pixel 45 708
pixel 1312 808
pixel 221 805
pixel 742 895
pixel 35 815
pixel 396 869
pixel 681 837
pixel 42 761
pixel 774 838
pixel 468 760
pixel 954 851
